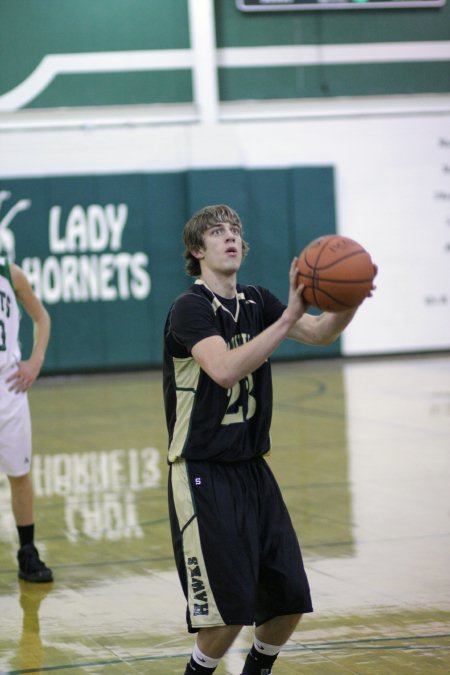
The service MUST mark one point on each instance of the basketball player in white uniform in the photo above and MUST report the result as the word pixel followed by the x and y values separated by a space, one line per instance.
pixel 16 377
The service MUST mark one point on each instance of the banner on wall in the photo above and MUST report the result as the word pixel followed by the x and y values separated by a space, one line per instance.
pixel 104 253
pixel 308 5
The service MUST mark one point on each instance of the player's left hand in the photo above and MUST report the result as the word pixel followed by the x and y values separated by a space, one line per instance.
pixel 24 377
pixel 296 303
pixel 373 288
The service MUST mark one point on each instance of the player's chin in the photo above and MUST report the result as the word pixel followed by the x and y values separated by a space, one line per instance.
pixel 234 262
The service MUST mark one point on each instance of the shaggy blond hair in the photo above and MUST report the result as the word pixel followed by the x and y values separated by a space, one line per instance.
pixel 195 228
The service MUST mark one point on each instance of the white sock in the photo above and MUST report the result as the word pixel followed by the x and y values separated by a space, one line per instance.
pixel 203 660
pixel 264 648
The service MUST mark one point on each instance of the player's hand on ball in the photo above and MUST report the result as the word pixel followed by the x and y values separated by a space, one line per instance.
pixel 337 273
pixel 296 303
pixel 373 288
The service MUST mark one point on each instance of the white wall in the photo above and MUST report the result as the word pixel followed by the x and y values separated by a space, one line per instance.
pixel 392 187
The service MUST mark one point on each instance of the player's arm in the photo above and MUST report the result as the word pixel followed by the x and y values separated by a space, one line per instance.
pixel 322 329
pixel 228 366
pixel 325 328
pixel 29 369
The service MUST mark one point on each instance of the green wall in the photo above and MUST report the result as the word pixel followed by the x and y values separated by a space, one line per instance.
pixel 328 27
pixel 239 29
pixel 30 30
pixel 107 295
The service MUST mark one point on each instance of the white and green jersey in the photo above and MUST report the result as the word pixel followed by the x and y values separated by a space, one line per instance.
pixel 9 319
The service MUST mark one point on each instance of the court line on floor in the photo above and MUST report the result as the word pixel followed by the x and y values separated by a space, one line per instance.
pixel 103 563
pixel 376 643
pixel 305 546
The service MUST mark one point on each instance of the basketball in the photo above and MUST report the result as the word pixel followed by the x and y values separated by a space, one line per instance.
pixel 337 273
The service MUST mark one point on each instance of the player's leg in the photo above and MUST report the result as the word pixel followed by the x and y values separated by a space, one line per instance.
pixel 22 499
pixel 211 645
pixel 217 640
pixel 212 512
pixel 283 589
pixel 278 630
pixel 31 567
pixel 269 639
pixel 15 461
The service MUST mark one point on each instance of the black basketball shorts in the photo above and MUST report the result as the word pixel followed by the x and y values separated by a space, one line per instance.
pixel 236 551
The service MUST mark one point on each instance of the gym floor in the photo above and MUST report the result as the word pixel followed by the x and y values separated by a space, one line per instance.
pixel 361 449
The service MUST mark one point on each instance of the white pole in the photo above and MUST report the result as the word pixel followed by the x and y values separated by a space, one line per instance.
pixel 204 72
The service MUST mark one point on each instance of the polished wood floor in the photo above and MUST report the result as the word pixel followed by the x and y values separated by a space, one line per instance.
pixel 361 449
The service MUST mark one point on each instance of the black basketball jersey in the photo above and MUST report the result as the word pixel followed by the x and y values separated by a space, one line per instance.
pixel 206 421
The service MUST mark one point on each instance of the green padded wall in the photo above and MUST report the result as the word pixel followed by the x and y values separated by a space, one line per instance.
pixel 104 252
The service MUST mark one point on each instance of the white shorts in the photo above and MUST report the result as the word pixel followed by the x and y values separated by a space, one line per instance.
pixel 15 429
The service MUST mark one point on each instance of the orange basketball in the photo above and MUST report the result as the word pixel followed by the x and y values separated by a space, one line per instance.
pixel 337 273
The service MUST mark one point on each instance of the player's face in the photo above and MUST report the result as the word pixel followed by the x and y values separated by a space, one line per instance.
pixel 222 249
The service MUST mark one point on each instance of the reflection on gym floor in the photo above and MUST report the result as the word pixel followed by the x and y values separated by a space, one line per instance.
pixel 361 449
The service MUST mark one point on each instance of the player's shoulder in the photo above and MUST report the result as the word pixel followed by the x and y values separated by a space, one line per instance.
pixel 6 268
pixel 193 293
pixel 253 293
pixel 191 298
pixel 17 275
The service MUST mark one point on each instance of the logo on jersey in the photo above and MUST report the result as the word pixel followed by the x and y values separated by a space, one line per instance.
pixel 5 304
pixel 238 340
pixel 199 595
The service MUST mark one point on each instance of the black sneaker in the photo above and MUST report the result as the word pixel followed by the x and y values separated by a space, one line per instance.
pixel 31 567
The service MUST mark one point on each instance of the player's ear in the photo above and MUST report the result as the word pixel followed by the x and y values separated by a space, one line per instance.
pixel 197 253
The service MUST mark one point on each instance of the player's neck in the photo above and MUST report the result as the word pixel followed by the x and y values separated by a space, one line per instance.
pixel 220 284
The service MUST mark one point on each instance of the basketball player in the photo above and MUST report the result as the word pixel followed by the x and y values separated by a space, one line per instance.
pixel 236 551
pixel 16 378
